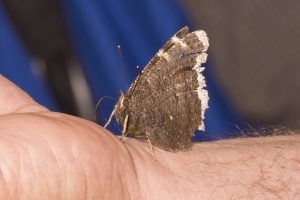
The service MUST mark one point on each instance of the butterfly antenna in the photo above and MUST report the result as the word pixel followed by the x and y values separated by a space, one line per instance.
pixel 136 71
pixel 95 117
pixel 122 63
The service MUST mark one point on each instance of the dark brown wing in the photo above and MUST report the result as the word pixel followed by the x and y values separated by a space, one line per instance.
pixel 165 101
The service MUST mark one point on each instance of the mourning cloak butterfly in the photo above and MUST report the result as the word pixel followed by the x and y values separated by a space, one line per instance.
pixel 166 102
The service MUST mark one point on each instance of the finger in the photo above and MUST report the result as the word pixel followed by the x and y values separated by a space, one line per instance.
pixel 15 100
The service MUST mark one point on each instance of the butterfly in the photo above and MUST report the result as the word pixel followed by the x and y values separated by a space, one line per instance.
pixel 166 102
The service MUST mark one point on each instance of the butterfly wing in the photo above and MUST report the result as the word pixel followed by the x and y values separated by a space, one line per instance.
pixel 166 102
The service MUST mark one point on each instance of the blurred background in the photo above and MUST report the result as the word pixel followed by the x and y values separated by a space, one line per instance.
pixel 64 54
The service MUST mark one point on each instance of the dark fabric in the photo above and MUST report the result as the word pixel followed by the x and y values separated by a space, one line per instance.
pixel 17 64
pixel 141 28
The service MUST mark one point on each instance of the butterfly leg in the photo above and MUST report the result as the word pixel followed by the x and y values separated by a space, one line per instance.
pixel 124 127
pixel 112 114
pixel 151 148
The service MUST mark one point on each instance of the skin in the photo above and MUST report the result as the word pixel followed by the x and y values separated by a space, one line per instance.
pixel 51 155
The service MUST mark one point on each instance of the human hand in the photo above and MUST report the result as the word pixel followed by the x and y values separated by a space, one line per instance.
pixel 51 155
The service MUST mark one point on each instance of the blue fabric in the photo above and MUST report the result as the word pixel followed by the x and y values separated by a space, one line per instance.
pixel 17 65
pixel 96 28
pixel 141 28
